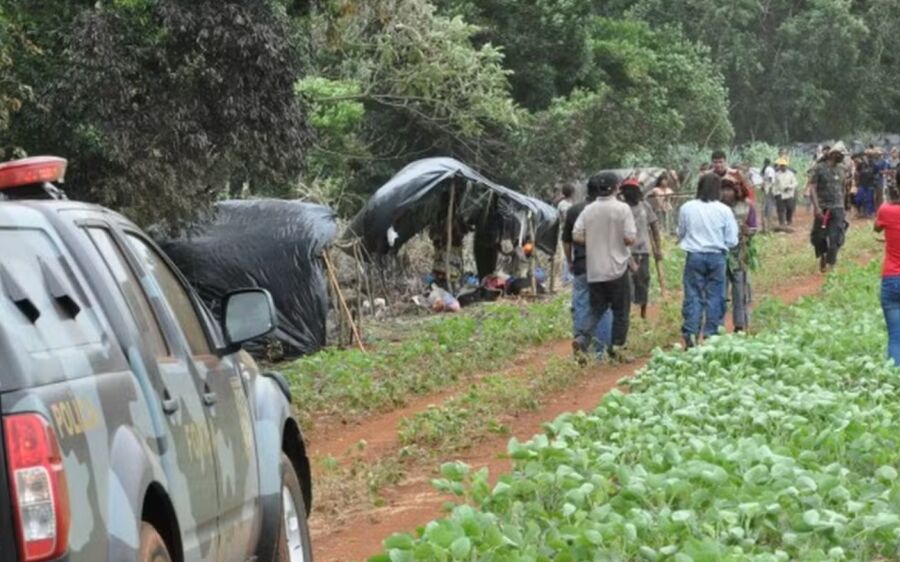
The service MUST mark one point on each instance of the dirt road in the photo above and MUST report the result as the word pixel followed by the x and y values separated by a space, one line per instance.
pixel 414 502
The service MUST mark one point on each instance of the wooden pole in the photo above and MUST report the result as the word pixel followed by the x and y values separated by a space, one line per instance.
pixel 365 270
pixel 533 256
pixel 449 245
pixel 553 270
pixel 337 289
pixel 659 273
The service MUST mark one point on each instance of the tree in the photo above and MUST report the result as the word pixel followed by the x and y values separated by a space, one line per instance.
pixel 545 43
pixel 393 82
pixel 161 105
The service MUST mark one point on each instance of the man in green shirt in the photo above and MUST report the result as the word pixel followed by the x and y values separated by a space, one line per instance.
pixel 827 188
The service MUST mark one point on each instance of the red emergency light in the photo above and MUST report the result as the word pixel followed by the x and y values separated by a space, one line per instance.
pixel 30 171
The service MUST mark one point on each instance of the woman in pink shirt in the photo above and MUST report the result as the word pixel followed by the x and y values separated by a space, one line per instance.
pixel 888 221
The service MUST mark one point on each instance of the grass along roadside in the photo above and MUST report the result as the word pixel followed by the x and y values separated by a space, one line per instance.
pixel 442 352
pixel 478 412
pixel 771 448
pixel 446 350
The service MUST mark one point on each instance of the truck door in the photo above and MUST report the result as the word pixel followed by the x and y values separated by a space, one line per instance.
pixel 189 463
pixel 227 408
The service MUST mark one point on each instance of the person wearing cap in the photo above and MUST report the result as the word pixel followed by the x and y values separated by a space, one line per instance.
pixel 827 186
pixel 740 257
pixel 648 239
pixel 606 228
pixel 576 258
pixel 707 230
pixel 785 189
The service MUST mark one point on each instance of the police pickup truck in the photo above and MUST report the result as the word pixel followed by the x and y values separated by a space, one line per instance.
pixel 133 426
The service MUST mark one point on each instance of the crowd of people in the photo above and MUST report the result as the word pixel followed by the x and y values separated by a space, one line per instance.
pixel 610 238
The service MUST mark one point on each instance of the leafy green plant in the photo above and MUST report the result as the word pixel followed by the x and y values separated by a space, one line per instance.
pixel 439 354
pixel 779 447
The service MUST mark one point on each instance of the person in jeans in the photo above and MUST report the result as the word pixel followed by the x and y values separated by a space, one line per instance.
pixel 827 187
pixel 888 221
pixel 606 228
pixel 581 294
pixel 707 230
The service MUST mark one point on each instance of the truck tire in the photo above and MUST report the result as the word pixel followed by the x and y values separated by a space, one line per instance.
pixel 293 544
pixel 153 547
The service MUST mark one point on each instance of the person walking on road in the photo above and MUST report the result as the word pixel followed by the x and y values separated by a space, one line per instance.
pixel 741 256
pixel 581 294
pixel 648 239
pixel 888 222
pixel 827 187
pixel 707 230
pixel 568 194
pixel 785 188
pixel 606 228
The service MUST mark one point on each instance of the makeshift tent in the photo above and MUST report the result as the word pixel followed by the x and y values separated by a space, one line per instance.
pixel 273 244
pixel 419 197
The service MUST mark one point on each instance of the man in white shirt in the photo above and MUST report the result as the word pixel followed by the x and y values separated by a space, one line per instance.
pixel 606 227
pixel 785 190
pixel 707 230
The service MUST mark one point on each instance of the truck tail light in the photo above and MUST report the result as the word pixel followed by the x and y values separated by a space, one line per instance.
pixel 39 489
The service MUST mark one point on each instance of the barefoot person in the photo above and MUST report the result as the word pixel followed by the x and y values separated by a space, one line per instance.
pixel 648 239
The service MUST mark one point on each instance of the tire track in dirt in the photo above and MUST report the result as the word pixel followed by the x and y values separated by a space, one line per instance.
pixel 414 501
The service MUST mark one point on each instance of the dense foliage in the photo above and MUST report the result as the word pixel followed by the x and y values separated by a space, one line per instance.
pixel 164 105
pixel 779 447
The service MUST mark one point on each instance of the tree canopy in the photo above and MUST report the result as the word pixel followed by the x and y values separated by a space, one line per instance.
pixel 163 106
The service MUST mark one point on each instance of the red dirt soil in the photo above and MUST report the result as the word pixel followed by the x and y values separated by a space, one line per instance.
pixel 414 502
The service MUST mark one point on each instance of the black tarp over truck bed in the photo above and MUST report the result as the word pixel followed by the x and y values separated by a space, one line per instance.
pixel 418 197
pixel 272 244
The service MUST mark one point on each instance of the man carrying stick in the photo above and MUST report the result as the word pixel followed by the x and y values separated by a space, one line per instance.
pixel 647 240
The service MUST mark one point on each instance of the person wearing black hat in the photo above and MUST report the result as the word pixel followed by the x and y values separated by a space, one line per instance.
pixel 827 188
pixel 607 229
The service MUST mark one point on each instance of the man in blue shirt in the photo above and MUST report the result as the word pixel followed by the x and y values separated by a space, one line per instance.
pixel 707 230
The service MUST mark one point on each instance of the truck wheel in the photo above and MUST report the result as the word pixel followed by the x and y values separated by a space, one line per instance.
pixel 153 547
pixel 294 544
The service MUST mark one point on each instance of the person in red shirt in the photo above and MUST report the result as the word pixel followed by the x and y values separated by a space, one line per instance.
pixel 888 221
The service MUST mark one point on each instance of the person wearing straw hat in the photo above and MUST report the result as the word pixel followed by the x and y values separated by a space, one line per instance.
pixel 827 188
pixel 785 189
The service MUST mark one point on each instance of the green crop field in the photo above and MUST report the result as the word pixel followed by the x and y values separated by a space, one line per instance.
pixel 784 446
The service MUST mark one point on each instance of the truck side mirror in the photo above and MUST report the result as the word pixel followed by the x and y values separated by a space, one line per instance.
pixel 247 314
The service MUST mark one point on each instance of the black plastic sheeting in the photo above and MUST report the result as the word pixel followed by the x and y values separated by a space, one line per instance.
pixel 272 244
pixel 419 196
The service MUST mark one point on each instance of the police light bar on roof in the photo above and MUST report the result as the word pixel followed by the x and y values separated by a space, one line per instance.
pixel 31 171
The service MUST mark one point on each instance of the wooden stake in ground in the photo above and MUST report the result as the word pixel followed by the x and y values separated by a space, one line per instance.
pixel 337 289
pixel 533 256
pixel 659 274
pixel 449 245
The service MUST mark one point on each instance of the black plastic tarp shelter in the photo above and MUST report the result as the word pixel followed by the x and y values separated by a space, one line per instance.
pixel 417 197
pixel 272 244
